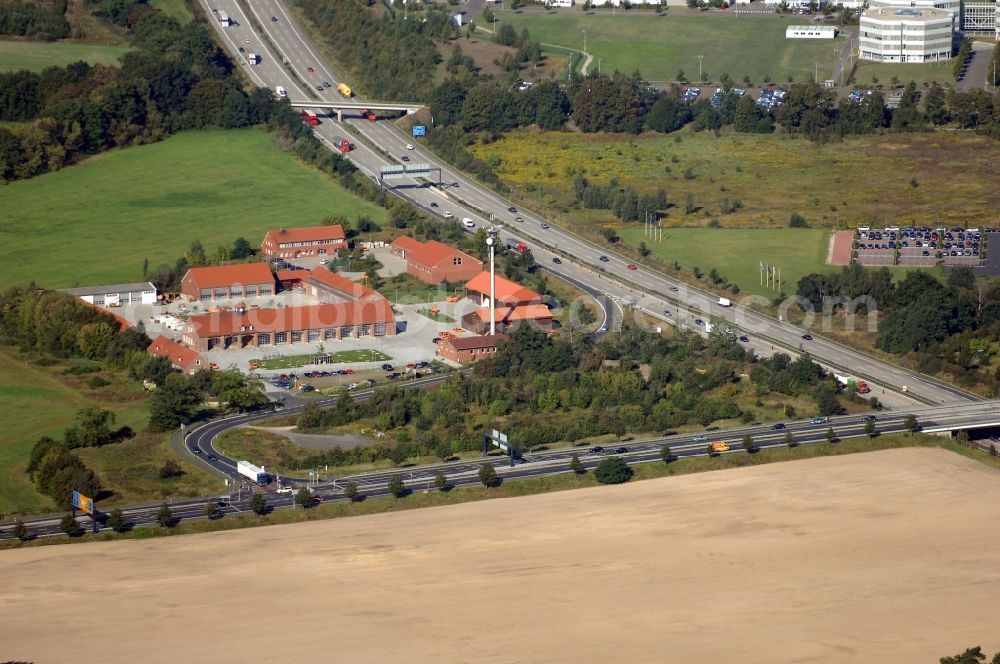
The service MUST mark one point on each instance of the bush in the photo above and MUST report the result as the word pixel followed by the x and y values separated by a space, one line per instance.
pixel 170 468
pixel 613 470
pixel 97 382
pixel 797 221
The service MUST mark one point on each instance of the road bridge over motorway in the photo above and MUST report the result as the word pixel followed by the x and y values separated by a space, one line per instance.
pixel 340 107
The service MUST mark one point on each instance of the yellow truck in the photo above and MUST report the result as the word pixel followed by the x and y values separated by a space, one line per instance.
pixel 344 90
pixel 716 448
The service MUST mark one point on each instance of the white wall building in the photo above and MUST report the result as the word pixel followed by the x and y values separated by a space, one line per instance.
pixel 906 35
pixel 115 295
pixel 810 32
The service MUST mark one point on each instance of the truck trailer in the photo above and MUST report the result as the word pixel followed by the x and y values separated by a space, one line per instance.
pixel 309 117
pixel 255 474
pixel 860 386
pixel 342 144
pixel 223 17
pixel 725 302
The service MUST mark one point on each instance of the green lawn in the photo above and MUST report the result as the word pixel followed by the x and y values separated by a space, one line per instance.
pixel 42 401
pixel 658 46
pixel 36 56
pixel 436 316
pixel 923 73
pixel 737 253
pixel 341 357
pixel 95 222
pixel 175 9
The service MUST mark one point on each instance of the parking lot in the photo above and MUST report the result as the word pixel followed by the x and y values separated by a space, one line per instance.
pixel 919 246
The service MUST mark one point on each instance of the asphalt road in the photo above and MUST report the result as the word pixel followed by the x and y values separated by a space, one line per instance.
pixel 641 288
pixel 542 463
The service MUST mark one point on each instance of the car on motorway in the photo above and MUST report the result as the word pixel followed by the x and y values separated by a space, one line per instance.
pixel 818 420
pixel 777 427
pixel 319 87
pixel 698 321
pixel 409 146
pixel 433 204
pixel 326 84
pixel 386 367
pixel 286 489
pixel 674 289
pixel 512 209
pixel 310 70
pixel 557 260
pixel 448 215
pixel 807 337
pixel 603 258
pixel 700 438
pixel 197 450
pixel 596 449
pixel 241 49
pixel 868 418
pixel 620 450
pixel 632 266
pixel 212 457
pixel 405 158
pixel 744 338
pixel 667 314
pixel 519 220
pixel 545 226
pixel 274 19
pixel 468 223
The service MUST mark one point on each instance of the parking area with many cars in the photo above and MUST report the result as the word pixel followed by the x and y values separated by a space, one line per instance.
pixel 919 246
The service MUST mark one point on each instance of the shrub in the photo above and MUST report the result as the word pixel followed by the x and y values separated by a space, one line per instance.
pixel 613 470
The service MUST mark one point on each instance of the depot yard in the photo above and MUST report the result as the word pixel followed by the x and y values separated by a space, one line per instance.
pixel 36 56
pixel 659 46
pixel 234 183
pixel 809 560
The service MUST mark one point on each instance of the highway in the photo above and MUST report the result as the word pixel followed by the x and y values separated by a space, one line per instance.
pixel 536 464
pixel 641 289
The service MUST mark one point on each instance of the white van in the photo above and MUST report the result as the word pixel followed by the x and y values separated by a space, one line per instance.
pixel 280 91
pixel 253 58
pixel 468 223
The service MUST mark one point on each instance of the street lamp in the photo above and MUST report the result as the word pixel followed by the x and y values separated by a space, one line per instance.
pixel 491 241
pixel 700 57
pixel 584 41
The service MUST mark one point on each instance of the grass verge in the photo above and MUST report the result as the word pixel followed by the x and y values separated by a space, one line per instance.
pixel 341 357
pixel 436 316
pixel 420 498
pixel 36 56
pixel 212 186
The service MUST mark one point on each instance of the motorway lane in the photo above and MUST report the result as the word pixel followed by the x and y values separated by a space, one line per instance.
pixel 465 473
pixel 300 52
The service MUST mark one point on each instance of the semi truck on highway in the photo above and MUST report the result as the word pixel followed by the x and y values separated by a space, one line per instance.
pixel 343 144
pixel 725 302
pixel 719 447
pixel 517 245
pixel 859 385
pixel 255 474
pixel 309 116
pixel 344 90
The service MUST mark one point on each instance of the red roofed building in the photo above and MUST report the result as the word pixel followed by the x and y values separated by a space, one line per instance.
pixel 433 262
pixel 468 349
pixel 507 318
pixel 223 282
pixel 329 287
pixel 180 357
pixel 310 241
pixel 509 293
pixel 276 327
pixel 289 279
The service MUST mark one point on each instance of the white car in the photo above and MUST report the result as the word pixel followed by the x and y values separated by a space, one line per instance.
pixel 700 438
pixel 449 215
pixel 468 223
pixel 409 146
pixel 286 489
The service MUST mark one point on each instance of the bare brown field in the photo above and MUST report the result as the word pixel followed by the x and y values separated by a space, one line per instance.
pixel 887 556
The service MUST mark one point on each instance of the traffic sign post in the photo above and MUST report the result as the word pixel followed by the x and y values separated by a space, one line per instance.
pixel 498 439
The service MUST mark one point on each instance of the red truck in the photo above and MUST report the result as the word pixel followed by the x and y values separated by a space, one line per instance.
pixel 369 115
pixel 343 144
pixel 310 117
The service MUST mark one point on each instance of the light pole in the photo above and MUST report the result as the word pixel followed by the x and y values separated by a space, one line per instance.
pixel 700 57
pixel 584 41
pixel 816 75
pixel 491 241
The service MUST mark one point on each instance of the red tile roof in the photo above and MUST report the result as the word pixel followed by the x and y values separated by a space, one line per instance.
pixel 512 314
pixel 310 234
pixel 220 276
pixel 367 312
pixel 180 356
pixel 432 253
pixel 468 343
pixel 123 323
pixel 293 275
pixel 407 243
pixel 507 291
pixel 323 277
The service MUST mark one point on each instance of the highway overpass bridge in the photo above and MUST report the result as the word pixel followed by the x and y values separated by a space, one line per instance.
pixel 340 106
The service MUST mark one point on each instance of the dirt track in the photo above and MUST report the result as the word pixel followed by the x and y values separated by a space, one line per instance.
pixel 884 557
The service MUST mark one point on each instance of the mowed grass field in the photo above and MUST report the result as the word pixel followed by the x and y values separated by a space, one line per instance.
pixel 658 46
pixel 36 56
pixel 737 253
pixel 921 74
pixel 175 9
pixel 861 180
pixel 42 401
pixel 95 222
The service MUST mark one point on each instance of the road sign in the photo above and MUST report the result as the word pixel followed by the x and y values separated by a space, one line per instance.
pixel 82 502
pixel 419 130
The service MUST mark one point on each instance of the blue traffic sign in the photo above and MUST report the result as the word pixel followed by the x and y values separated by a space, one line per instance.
pixel 419 130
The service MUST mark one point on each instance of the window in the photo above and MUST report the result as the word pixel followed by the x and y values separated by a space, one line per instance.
pixel 205 293
pixel 379 329
pixel 364 330
pixel 313 335
pixel 263 339
pixel 280 337
pixel 329 333
pixel 221 293
pixel 296 336
pixel 457 260
pixel 251 290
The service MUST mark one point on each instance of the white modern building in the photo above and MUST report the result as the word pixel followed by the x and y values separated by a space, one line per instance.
pixel 980 18
pixel 906 35
pixel 115 295
pixel 810 32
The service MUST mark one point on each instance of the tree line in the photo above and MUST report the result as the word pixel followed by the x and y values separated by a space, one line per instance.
pixel 34 19
pixel 541 390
